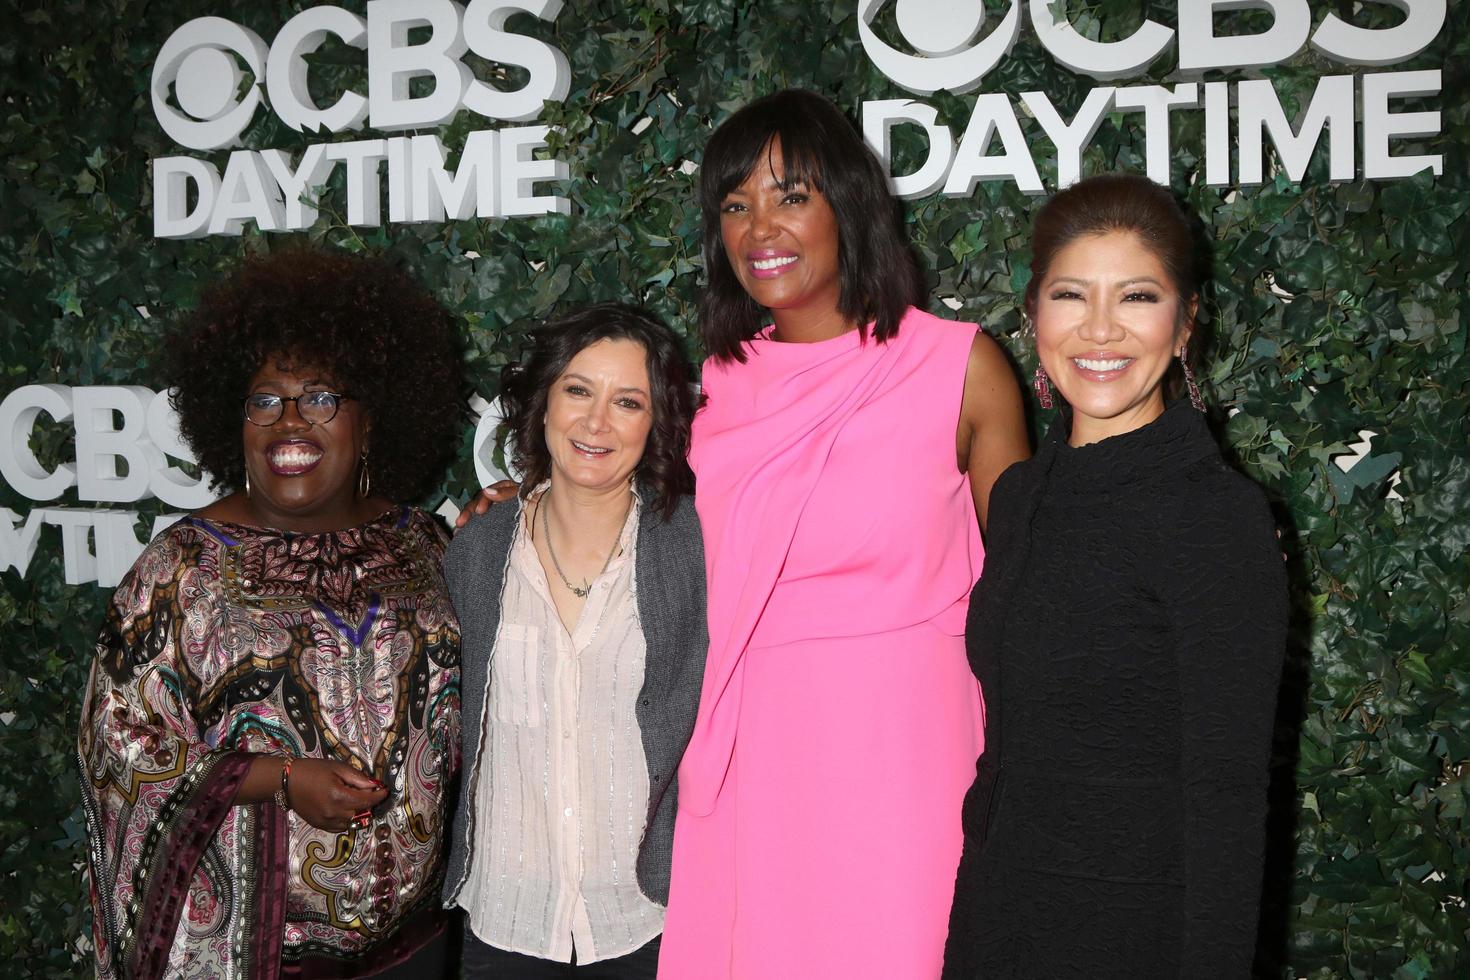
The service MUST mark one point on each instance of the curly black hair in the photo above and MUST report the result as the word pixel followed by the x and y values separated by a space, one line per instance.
pixel 525 387
pixel 365 326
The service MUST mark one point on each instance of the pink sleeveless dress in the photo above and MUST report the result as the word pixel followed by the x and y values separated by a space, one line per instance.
pixel 819 800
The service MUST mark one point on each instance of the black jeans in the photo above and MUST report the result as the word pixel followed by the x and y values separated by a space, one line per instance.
pixel 432 962
pixel 485 962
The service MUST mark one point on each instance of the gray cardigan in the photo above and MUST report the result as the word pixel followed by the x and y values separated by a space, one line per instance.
pixel 669 576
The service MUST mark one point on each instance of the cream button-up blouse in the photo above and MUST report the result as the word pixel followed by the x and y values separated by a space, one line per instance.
pixel 563 790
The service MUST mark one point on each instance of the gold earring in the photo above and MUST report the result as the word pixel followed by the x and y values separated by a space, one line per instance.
pixel 247 483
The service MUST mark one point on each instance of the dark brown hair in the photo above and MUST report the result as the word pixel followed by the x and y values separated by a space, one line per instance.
pixel 369 329
pixel 526 386
pixel 1131 203
pixel 819 149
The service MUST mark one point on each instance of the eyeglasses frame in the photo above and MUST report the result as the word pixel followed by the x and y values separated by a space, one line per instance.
pixel 294 400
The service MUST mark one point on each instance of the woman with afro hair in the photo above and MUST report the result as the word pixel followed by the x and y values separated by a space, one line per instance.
pixel 271 722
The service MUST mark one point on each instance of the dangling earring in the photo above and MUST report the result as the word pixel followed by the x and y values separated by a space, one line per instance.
pixel 364 481
pixel 1194 396
pixel 247 483
pixel 1042 384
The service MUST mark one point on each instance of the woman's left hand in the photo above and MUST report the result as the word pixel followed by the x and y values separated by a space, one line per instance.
pixel 330 795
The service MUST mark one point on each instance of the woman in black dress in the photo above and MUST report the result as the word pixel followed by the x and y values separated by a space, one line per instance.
pixel 1128 634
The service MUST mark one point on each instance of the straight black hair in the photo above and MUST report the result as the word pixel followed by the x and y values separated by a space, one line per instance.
pixel 526 386
pixel 820 149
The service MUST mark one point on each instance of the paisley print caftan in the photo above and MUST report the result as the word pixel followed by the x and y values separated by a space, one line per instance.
pixel 224 642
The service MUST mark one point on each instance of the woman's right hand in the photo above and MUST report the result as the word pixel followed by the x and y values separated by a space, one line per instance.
pixel 496 493
pixel 328 794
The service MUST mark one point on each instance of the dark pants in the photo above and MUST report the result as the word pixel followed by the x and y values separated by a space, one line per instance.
pixel 485 962
pixel 432 962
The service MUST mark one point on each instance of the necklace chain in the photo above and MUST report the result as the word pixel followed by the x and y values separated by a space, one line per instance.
pixel 580 593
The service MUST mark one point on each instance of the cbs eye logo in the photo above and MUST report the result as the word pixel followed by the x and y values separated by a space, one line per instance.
pixel 943 33
pixel 201 62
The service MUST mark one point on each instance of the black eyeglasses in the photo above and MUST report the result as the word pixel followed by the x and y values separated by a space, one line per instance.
pixel 314 407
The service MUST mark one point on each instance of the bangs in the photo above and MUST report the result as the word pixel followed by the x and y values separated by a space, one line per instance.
pixel 736 151
pixel 822 151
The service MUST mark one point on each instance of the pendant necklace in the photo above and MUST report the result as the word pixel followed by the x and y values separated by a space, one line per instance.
pixel 580 593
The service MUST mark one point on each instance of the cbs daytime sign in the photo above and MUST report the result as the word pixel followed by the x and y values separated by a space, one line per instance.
pixel 200 64
pixel 1357 110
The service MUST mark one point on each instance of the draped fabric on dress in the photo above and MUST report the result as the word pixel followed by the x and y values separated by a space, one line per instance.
pixel 224 642
pixel 838 726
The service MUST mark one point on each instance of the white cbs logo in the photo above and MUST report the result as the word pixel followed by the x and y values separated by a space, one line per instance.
pixel 204 64
pixel 201 63
pixel 943 32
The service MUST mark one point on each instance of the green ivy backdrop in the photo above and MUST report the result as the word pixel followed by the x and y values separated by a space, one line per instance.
pixel 1364 331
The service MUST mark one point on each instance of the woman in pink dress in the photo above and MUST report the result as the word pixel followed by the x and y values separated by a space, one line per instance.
pixel 849 442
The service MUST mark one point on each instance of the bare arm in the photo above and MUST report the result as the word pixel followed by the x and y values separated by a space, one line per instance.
pixel 261 783
pixel 992 427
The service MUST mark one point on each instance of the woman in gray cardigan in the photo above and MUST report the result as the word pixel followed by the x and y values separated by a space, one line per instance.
pixel 582 613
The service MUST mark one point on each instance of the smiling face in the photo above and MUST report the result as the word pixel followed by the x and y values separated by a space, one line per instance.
pixel 303 477
pixel 782 243
pixel 1108 322
pixel 598 416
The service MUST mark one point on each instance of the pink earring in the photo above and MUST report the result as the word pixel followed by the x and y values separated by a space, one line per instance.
pixel 1042 385
pixel 1195 398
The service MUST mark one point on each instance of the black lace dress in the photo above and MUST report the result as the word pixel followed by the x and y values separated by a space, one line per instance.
pixel 1128 634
